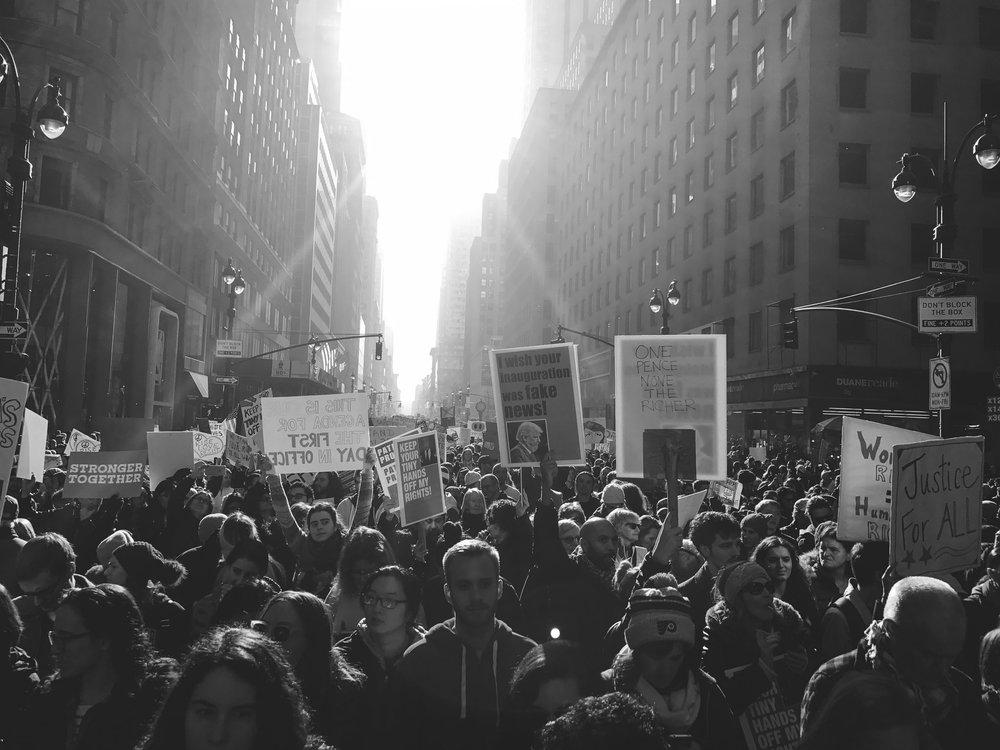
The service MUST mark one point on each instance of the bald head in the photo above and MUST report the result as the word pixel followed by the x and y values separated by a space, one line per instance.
pixel 916 601
pixel 598 540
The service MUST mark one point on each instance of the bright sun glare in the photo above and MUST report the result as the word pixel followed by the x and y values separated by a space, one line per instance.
pixel 438 88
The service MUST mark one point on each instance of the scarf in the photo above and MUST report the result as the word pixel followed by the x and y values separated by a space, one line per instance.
pixel 606 574
pixel 676 711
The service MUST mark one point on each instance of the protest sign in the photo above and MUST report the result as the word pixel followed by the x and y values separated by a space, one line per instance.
pixel 79 441
pixel 770 721
pixel 53 460
pixel 105 473
pixel 594 430
pixel 13 394
pixel 251 413
pixel 670 399
pixel 208 447
pixel 491 442
pixel 385 432
pixel 168 452
pixel 418 471
pixel 239 450
pixel 758 452
pixel 536 391
pixel 385 465
pixel 316 433
pixel 477 428
pixel 866 478
pixel 688 505
pixel 31 459
pixel 125 433
pixel 727 490
pixel 937 515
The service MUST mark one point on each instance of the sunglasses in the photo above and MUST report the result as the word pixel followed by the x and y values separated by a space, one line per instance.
pixel 759 587
pixel 280 633
pixel 370 600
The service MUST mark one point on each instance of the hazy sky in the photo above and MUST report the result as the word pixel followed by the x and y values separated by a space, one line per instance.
pixel 438 86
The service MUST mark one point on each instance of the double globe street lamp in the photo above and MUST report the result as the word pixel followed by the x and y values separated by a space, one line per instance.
pixel 656 304
pixel 233 278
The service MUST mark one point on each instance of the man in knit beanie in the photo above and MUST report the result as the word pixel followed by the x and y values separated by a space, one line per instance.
pixel 613 496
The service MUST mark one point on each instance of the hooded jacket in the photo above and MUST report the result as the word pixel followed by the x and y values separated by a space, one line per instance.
pixel 449 696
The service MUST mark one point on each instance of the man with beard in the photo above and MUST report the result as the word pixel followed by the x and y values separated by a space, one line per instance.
pixel 584 485
pixel 451 686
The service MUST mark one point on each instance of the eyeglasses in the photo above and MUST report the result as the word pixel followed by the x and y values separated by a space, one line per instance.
pixel 369 600
pixel 632 525
pixel 48 591
pixel 61 639
pixel 280 633
pixel 758 587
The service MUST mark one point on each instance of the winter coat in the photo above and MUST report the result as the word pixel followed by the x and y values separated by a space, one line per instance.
pixel 448 696
pixel 18 682
pixel 113 724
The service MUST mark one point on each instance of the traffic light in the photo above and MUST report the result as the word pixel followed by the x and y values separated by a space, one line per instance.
pixel 378 348
pixel 790 334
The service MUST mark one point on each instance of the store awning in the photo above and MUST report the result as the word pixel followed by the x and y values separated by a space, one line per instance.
pixel 200 382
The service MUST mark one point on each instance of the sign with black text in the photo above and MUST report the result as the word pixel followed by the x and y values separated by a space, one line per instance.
pixel 418 472
pixel 316 433
pixel 105 474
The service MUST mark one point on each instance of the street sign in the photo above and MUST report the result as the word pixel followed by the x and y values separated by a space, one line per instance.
pixel 13 330
pixel 948 265
pixel 939 290
pixel 940 384
pixel 946 315
pixel 226 379
pixel 232 348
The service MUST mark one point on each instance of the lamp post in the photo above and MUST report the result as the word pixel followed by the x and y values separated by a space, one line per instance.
pixel 51 120
pixel 986 150
pixel 233 278
pixel 656 305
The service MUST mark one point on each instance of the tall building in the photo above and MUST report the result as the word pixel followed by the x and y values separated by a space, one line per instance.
pixel 745 150
pixel 180 154
pixel 551 28
pixel 448 355
pixel 318 30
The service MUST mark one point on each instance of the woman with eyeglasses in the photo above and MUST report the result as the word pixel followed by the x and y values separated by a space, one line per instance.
pixel 390 598
pixel 101 654
pixel 300 623
pixel 626 525
pixel 365 551
pixel 235 691
pixel 753 641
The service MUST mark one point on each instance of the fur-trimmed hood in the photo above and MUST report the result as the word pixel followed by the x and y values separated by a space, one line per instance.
pixel 787 619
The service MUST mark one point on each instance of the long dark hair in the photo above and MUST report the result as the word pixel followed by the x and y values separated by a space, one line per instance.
pixel 109 612
pixel 362 544
pixel 282 719
pixel 797 581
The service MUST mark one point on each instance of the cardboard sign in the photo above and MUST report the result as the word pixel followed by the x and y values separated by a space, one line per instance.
pixel 536 392
pixel 13 395
pixel 239 450
pixel 125 433
pixel 728 491
pixel 866 478
pixel 81 442
pixel 168 452
pixel 208 447
pixel 418 468
pixel 670 397
pixel 688 505
pixel 316 433
pixel 385 432
pixel 770 722
pixel 385 465
pixel 251 413
pixel 937 513
pixel 105 473
pixel 34 433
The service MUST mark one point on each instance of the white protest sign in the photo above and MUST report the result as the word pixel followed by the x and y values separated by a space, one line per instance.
pixel 670 397
pixel 595 430
pixel 316 433
pixel 728 491
pixel 866 478
pixel 385 465
pixel 168 452
pixel 250 411
pixel 937 512
pixel 687 507
pixel 31 460
pixel 208 447
pixel 758 452
pixel 81 442
pixel 13 394
pixel 418 467
pixel 239 450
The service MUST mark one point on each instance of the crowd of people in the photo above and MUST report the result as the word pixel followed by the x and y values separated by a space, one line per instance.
pixel 550 607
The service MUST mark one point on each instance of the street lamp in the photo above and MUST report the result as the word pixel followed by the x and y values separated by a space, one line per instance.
pixel 233 278
pixel 656 304
pixel 51 121
pixel 313 348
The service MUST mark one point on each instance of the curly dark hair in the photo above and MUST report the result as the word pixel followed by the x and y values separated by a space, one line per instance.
pixel 407 580
pixel 612 720
pixel 281 722
pixel 109 612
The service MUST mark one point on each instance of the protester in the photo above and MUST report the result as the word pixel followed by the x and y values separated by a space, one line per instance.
pixel 989 670
pixel 828 565
pixel 716 536
pixel 10 546
pixel 607 722
pixel 626 525
pixel 779 558
pixel 18 675
pixel 847 618
pixel 510 533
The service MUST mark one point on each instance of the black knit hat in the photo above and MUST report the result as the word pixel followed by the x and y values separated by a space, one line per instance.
pixel 143 562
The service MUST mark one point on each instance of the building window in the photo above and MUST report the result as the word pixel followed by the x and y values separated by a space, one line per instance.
pixel 709 171
pixel 852 239
pixel 923 19
pixel 689 187
pixel 756 263
pixel 674 100
pixel 691 81
pixel 789 31
pixel 734 90
pixel 729 331
pixel 758 64
pixel 692 29
pixel 656 262
pixel 758 9
pixel 686 296
pixel 786 248
pixel 707 228
pixel 757 130
pixel 730 217
pixel 853 16
pixel 690 134
pixel 69 15
pixel 732 143
pixel 656 215
pixel 854 88
pixel 672 202
pixel 734 29
pixel 688 240
pixel 671 252
pixel 755 329
pixel 673 151
pixel 789 104
pixel 853 163
pixel 54 186
pixel 709 114
pixel 923 93
pixel 642 271
pixel 757 196
pixel 68 85
pixel 656 167
pixel 707 281
pixel 710 58
pixel 786 181
pixel 675 53
pixel 729 276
